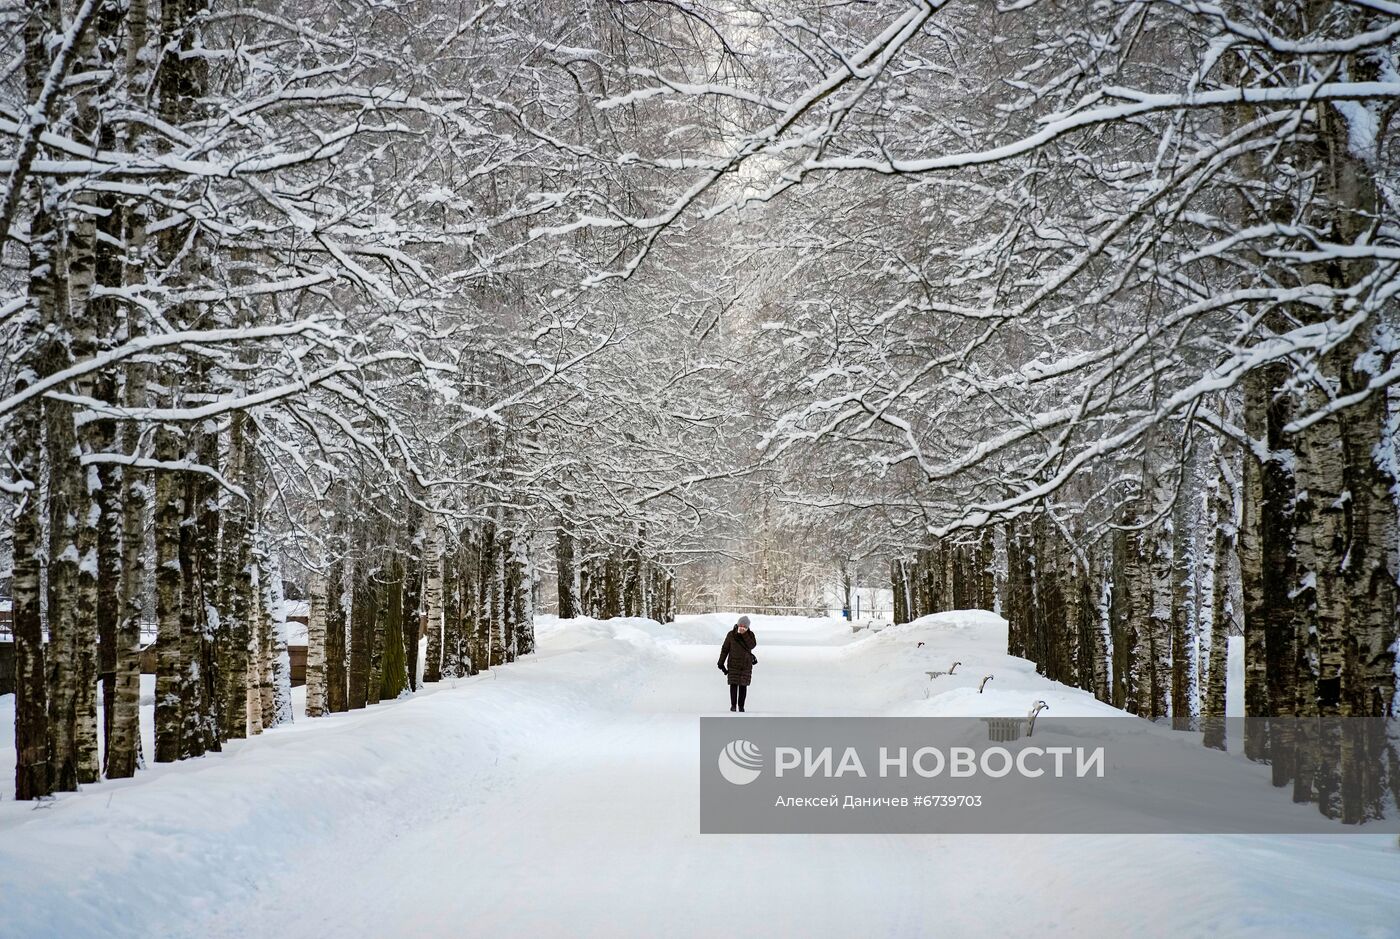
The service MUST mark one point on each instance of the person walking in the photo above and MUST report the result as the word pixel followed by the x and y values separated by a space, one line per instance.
pixel 736 660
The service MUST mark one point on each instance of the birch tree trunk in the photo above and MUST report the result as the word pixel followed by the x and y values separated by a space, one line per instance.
pixel 432 600
pixel 470 610
pixel 670 607
pixel 239 610
pixel 87 314
pixel 412 613
pixel 1362 653
pixel 336 692
pixel 480 639
pixel 1101 588
pixel 1221 614
pixel 108 610
pixel 213 594
pixel 455 638
pixel 279 660
pixel 32 778
pixel 1369 573
pixel 393 667
pixel 378 632
pixel 169 510
pixel 362 609
pixel 1321 660
pixel 583 563
pixel 316 647
pixel 196 662
pixel 1159 629
pixel 522 600
pixel 1016 594
pixel 35 775
pixel 1182 647
pixel 1287 598
pixel 1136 620
pixel 899 586
pixel 109 273
pixel 566 571
pixel 32 771
pixel 124 749
pixel 499 613
pixel 253 697
pixel 124 733
pixel 67 500
pixel 1251 552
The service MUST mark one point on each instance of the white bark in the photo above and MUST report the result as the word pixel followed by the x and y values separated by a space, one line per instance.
pixel 432 599
pixel 316 648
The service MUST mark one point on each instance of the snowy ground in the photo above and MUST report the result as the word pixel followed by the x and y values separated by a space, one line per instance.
pixel 559 796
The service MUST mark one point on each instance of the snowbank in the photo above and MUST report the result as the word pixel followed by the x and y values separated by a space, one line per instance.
pixel 559 796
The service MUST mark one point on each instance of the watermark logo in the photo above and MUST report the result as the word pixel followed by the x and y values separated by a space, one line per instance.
pixel 740 762
pixel 1071 775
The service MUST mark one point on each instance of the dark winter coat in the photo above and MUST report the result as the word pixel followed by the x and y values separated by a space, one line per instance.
pixel 737 649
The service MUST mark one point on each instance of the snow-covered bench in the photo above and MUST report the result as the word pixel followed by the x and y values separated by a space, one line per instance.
pixel 933 675
pixel 1003 729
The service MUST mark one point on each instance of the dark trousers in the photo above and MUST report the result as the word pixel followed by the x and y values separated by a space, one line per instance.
pixel 737 693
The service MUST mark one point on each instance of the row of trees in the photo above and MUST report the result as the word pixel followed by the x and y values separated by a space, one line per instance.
pixel 299 299
pixel 362 292
pixel 946 575
pixel 602 583
pixel 1117 285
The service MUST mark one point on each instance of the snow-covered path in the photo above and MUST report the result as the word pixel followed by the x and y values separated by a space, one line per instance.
pixel 559 797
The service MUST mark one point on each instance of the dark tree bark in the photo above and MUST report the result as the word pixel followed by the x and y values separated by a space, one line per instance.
pixel 378 630
pixel 587 591
pixel 901 611
pixel 633 578
pixel 1017 592
pixel 124 732
pixel 1182 651
pixel 1137 607
pixel 567 574
pixel 109 561
pixel 1257 390
pixel 124 748
pixel 196 665
pixel 66 505
pixel 169 510
pixel 363 607
pixel 499 600
pixel 411 617
pixel 208 589
pixel 456 637
pixel 32 777
pixel 393 667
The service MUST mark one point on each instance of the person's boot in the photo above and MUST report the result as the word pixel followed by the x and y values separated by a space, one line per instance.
pixel 731 707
